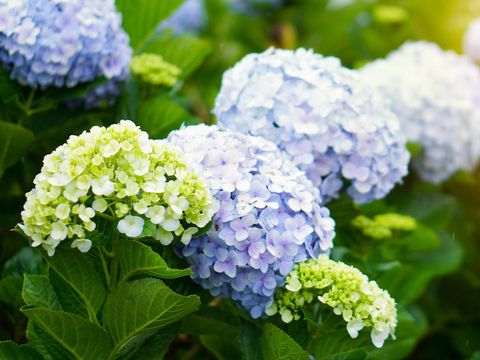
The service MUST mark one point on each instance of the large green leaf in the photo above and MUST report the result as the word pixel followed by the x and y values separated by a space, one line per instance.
pixel 160 115
pixel 210 321
pixel 15 141
pixel 78 271
pixel 276 344
pixel 78 337
pixel 38 292
pixel 186 52
pixel 251 341
pixel 156 346
pixel 136 310
pixel 136 258
pixel 11 291
pixel 44 344
pixel 66 295
pixel 12 351
pixel 8 87
pixel 141 18
pixel 27 260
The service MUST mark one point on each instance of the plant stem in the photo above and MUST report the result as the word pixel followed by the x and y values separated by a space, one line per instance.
pixel 105 268
pixel 114 262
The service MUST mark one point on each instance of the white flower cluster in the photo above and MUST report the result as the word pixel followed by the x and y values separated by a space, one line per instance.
pixel 117 173
pixel 436 96
pixel 471 41
pixel 321 114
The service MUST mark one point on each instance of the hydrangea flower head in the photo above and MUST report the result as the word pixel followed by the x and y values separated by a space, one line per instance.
pixel 154 70
pixel 359 301
pixel 269 219
pixel 471 41
pixel 329 123
pixel 62 43
pixel 118 173
pixel 189 17
pixel 436 96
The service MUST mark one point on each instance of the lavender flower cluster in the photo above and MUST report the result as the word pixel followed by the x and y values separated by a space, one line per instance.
pixel 436 96
pixel 189 17
pixel 270 216
pixel 330 124
pixel 62 43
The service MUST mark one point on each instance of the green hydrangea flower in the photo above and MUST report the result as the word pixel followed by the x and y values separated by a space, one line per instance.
pixel 344 288
pixel 383 226
pixel 117 173
pixel 152 69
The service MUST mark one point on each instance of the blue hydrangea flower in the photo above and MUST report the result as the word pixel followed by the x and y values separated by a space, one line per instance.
pixel 249 6
pixel 189 17
pixel 63 43
pixel 436 95
pixel 321 114
pixel 270 216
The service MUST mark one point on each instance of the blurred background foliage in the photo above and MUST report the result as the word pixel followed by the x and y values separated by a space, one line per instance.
pixel 432 270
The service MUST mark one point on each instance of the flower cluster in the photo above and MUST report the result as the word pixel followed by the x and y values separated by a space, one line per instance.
pixel 471 41
pixel 152 69
pixel 269 218
pixel 384 225
pixel 249 6
pixel 63 43
pixel 344 288
pixel 330 124
pixel 436 96
pixel 117 173
pixel 189 17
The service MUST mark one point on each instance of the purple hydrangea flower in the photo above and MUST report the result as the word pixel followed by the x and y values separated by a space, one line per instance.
pixel 330 124
pixel 58 43
pixel 270 216
pixel 436 96
pixel 189 17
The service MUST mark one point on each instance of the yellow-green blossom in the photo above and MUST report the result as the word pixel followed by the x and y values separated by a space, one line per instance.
pixel 118 173
pixel 153 69
pixel 383 226
pixel 344 288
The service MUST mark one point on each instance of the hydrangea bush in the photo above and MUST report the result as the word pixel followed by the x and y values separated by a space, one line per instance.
pixel 320 113
pixel 436 95
pixel 57 43
pixel 117 173
pixel 269 219
pixel 359 301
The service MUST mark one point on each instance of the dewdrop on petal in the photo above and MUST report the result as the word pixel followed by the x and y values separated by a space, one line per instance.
pixel 322 115
pixel 258 234
pixel 360 302
pixel 113 172
pixel 436 96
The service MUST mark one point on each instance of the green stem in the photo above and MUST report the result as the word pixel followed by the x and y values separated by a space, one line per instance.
pixel 105 268
pixel 114 262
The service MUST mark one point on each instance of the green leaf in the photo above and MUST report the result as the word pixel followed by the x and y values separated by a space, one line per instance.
pixel 136 310
pixel 251 341
pixel 160 115
pixel 276 344
pixel 422 239
pixel 186 52
pixel 142 17
pixel 79 337
pixel 8 87
pixel 156 346
pixel 12 351
pixel 11 291
pixel 38 292
pixel 224 348
pixel 136 258
pixel 66 295
pixel 210 321
pixel 15 141
pixel 77 270
pixel 27 260
pixel 44 344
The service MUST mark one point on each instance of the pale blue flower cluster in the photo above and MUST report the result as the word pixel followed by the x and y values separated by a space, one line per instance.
pixel 270 216
pixel 189 17
pixel 63 43
pixel 436 96
pixel 249 6
pixel 330 124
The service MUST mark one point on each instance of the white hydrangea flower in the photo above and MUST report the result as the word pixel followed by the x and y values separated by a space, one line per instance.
pixel 471 41
pixel 121 174
pixel 436 96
